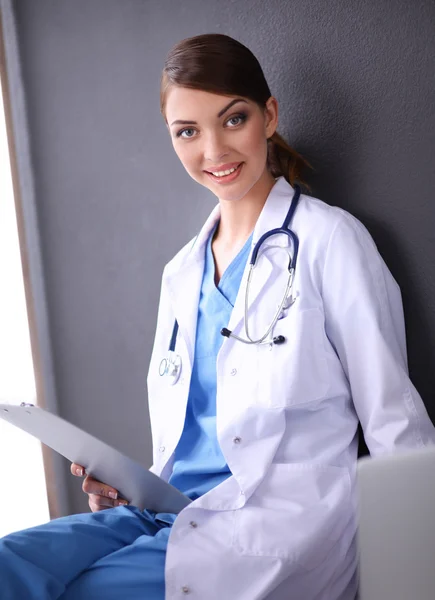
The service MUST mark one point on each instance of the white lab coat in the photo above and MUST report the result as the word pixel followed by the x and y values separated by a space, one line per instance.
pixel 283 524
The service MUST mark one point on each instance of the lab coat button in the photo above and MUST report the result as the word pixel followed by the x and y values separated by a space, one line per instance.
pixel 185 589
pixel 237 440
pixel 193 524
pixel 162 449
pixel 233 371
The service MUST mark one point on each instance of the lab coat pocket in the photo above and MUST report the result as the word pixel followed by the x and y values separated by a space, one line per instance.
pixel 296 371
pixel 297 513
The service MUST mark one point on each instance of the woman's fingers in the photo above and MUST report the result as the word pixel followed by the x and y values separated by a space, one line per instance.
pixel 97 503
pixel 96 507
pixel 77 470
pixel 101 496
pixel 92 486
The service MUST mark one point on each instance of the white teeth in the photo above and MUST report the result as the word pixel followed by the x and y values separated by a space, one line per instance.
pixel 223 173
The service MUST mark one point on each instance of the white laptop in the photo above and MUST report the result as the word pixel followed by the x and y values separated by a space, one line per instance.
pixel 397 526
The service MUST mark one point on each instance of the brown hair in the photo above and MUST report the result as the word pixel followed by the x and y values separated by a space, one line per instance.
pixel 219 64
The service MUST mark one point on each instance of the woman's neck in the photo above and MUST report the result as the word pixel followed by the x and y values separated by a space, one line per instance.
pixel 238 218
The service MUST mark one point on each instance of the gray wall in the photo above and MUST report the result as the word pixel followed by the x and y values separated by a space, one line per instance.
pixel 356 86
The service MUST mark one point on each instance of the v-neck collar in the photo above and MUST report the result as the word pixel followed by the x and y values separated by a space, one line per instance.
pixel 224 286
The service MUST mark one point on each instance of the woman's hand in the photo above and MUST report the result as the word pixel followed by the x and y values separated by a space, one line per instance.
pixel 101 496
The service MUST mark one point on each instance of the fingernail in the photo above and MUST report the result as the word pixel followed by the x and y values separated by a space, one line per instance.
pixel 113 495
pixel 79 471
pixel 122 502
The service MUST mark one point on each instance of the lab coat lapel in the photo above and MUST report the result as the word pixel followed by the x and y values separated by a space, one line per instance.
pixel 184 284
pixel 271 217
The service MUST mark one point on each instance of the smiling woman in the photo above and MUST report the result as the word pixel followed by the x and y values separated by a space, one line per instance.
pixel 223 123
pixel 223 144
pixel 261 436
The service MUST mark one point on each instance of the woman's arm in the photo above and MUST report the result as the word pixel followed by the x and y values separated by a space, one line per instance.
pixel 364 322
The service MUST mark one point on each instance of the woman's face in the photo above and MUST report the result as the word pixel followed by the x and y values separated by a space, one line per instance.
pixel 221 140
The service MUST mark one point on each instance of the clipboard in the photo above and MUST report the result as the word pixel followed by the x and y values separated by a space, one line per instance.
pixel 134 482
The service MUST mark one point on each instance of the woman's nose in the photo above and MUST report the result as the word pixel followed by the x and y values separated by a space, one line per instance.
pixel 215 148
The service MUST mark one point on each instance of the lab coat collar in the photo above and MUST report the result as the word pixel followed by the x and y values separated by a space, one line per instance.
pixel 183 279
pixel 274 211
pixel 271 216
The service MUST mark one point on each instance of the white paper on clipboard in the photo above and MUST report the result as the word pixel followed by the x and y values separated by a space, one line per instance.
pixel 135 483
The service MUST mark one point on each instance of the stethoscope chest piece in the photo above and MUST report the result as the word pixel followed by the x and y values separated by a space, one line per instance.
pixel 171 367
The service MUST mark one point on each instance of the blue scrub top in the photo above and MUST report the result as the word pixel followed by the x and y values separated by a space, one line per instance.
pixel 199 463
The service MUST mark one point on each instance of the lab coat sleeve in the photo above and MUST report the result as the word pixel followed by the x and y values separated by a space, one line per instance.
pixel 364 322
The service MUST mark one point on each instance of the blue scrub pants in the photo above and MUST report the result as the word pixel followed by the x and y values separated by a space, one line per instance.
pixel 116 553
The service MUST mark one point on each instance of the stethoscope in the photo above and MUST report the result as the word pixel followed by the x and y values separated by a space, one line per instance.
pixel 171 364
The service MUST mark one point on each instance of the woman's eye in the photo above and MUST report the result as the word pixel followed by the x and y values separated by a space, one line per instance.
pixel 236 120
pixel 186 133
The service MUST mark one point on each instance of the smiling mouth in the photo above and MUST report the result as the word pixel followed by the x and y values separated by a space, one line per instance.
pixel 224 174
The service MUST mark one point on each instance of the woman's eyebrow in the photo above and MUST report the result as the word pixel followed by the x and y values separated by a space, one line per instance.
pixel 224 110
pixel 220 113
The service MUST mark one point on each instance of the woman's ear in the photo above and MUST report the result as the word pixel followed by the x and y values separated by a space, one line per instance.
pixel 271 116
